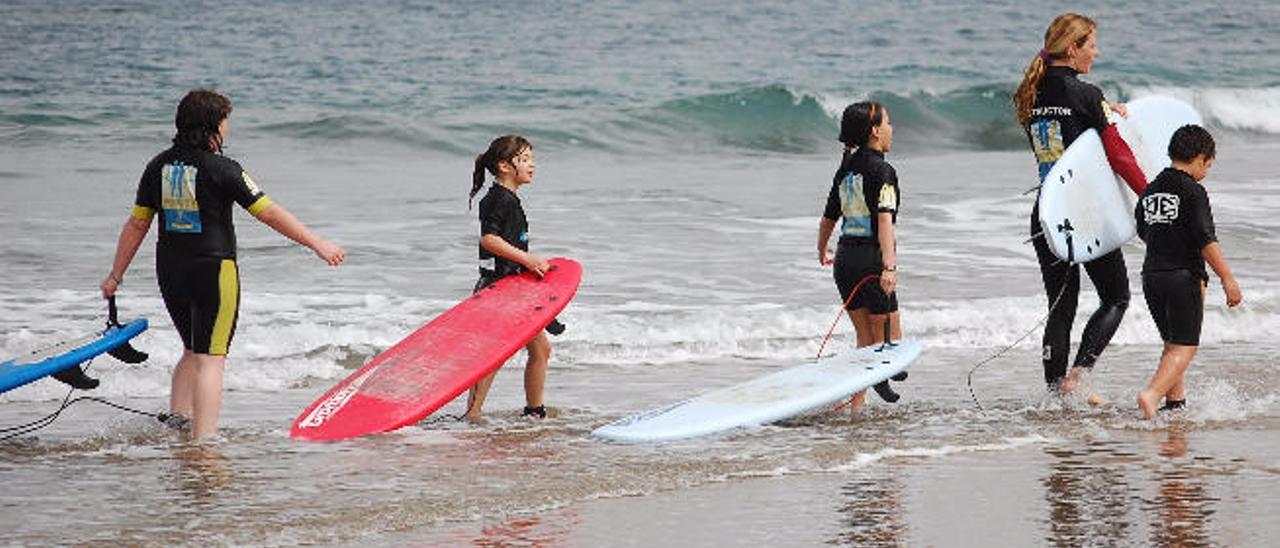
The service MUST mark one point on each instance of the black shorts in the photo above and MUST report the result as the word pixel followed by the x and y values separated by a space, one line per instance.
pixel 203 299
pixel 855 261
pixel 1176 301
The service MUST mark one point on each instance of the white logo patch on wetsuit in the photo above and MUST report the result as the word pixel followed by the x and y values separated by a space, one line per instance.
pixel 1161 208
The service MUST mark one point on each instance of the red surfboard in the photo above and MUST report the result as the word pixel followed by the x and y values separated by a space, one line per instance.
pixel 443 358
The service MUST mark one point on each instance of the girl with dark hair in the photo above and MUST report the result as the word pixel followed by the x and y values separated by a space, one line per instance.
pixel 192 186
pixel 504 250
pixel 864 199
pixel 1055 107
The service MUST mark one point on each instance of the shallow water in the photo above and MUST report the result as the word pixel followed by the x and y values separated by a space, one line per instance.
pixel 691 197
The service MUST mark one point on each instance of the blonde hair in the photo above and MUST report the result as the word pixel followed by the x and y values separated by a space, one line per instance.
pixel 1066 30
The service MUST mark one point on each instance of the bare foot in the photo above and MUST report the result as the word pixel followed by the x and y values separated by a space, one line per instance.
pixel 1147 401
pixel 856 401
pixel 1096 400
pixel 1069 383
pixel 475 419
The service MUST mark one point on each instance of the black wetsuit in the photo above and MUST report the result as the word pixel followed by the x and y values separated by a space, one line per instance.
pixel 1176 222
pixel 193 190
pixel 864 186
pixel 501 214
pixel 1066 107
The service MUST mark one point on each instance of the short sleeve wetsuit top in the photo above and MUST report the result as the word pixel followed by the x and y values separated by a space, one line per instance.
pixel 502 215
pixel 1176 222
pixel 864 186
pixel 193 191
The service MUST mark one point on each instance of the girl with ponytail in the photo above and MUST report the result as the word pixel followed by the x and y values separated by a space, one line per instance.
pixel 864 199
pixel 504 250
pixel 1054 107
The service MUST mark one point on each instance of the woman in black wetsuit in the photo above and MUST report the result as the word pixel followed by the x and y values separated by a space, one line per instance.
pixel 1055 107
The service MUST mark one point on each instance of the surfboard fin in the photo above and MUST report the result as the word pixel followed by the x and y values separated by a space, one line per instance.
pixel 125 352
pixel 76 378
pixel 886 392
pixel 555 327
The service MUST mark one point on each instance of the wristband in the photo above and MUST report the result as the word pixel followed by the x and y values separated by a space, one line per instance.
pixel 112 275
pixel 893 268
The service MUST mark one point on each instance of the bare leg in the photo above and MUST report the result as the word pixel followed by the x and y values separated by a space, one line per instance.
pixel 475 400
pixel 183 385
pixel 865 325
pixel 870 330
pixel 1178 392
pixel 1173 365
pixel 207 394
pixel 535 369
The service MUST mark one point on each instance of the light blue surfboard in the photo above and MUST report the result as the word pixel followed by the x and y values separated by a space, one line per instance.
pixel 787 393
pixel 56 357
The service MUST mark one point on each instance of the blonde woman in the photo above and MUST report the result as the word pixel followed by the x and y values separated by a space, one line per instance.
pixel 1055 107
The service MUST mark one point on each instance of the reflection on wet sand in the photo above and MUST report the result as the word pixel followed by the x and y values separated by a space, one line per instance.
pixel 872 511
pixel 1088 494
pixel 553 530
pixel 1098 494
pixel 201 471
pixel 1183 508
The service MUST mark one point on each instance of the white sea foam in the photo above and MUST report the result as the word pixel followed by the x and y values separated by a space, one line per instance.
pixel 1248 109
pixel 863 460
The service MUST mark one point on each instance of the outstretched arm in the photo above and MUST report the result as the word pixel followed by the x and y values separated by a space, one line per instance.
pixel 284 222
pixel 131 236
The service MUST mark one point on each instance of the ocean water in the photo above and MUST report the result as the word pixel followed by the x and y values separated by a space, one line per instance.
pixel 684 156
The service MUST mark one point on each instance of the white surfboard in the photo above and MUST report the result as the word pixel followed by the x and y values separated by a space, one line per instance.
pixel 1086 211
pixel 774 397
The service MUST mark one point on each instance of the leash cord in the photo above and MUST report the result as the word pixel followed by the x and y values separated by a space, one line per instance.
pixel 42 422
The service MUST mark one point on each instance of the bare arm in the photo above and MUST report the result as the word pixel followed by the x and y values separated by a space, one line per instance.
pixel 825 228
pixel 284 222
pixel 131 236
pixel 498 246
pixel 1213 255
pixel 888 251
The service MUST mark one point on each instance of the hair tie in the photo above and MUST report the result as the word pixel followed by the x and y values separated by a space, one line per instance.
pixel 1044 55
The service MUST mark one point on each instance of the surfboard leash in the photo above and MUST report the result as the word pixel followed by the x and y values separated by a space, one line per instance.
pixel 67 401
pixel 843 312
pixel 1016 342
pixel 882 388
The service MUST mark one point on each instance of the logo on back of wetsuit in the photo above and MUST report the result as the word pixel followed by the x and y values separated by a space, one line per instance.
pixel 1046 141
pixel 857 217
pixel 178 198
pixel 1160 208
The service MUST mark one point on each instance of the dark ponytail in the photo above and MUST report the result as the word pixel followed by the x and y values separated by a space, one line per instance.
pixel 199 115
pixel 857 121
pixel 500 150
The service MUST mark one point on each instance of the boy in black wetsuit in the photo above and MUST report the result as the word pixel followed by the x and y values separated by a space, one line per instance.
pixel 1175 221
